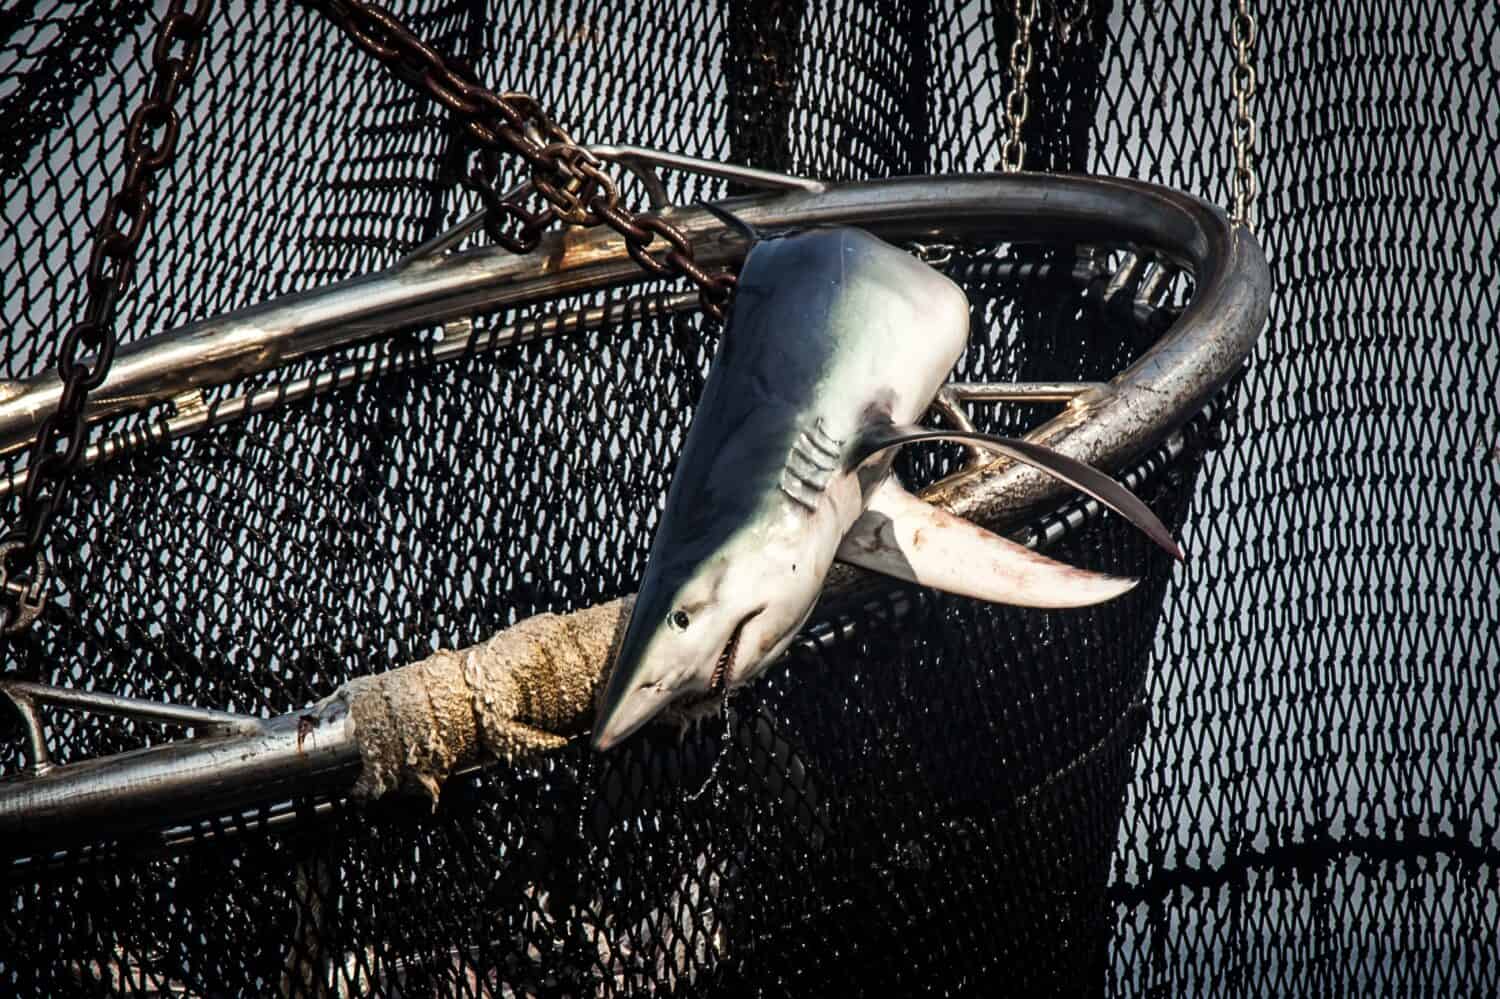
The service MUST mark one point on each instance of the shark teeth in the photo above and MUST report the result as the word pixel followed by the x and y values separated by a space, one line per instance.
pixel 720 678
pixel 726 659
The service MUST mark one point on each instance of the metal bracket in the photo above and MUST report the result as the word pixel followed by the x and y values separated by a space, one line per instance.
pixel 37 760
pixel 189 404
pixel 444 242
pixel 30 597
pixel 950 400
pixel 935 255
pixel 1126 277
pixel 28 697
pixel 951 408
pixel 1137 291
pixel 643 164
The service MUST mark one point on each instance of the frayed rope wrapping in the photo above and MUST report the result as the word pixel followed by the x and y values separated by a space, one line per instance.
pixel 530 688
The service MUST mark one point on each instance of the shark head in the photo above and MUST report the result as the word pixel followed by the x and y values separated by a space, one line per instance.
pixel 704 625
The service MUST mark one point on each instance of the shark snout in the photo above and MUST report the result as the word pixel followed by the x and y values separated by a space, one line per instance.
pixel 697 679
pixel 629 713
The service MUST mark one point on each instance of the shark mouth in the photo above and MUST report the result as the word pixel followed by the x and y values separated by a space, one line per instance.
pixel 723 672
pixel 694 706
pixel 722 669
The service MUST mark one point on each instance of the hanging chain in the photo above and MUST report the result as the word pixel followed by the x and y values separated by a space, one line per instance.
pixel 150 146
pixel 1246 183
pixel 1068 19
pixel 1013 152
pixel 568 177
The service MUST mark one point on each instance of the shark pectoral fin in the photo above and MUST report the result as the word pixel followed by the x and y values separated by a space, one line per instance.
pixel 902 536
pixel 1075 473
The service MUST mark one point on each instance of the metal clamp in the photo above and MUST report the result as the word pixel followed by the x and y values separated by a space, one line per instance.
pixel 24 600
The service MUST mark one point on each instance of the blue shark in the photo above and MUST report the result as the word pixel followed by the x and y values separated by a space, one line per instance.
pixel 836 344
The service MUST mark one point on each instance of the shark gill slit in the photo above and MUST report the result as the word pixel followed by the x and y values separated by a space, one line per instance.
pixel 790 493
pixel 824 442
pixel 800 454
pixel 814 483
pixel 804 476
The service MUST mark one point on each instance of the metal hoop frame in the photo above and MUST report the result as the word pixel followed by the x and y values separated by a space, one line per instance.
pixel 1141 410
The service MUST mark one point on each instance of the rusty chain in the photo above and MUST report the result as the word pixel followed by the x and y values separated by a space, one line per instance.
pixel 569 178
pixel 1013 150
pixel 150 146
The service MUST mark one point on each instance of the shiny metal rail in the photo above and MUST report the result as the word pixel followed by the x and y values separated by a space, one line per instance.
pixel 461 339
pixel 1113 424
pixel 432 289
pixel 28 698
pixel 157 787
pixel 172 366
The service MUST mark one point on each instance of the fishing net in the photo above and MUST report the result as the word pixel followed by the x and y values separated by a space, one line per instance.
pixel 1272 769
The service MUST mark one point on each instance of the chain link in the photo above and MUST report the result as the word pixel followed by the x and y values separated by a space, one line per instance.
pixel 1013 152
pixel 1246 184
pixel 86 351
pixel 1068 19
pixel 570 179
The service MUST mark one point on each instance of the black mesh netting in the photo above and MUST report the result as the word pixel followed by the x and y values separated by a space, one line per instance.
pixel 1272 770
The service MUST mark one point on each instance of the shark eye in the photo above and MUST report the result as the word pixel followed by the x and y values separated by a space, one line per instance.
pixel 678 619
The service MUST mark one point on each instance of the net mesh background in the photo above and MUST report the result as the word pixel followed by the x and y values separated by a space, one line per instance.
pixel 1271 770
